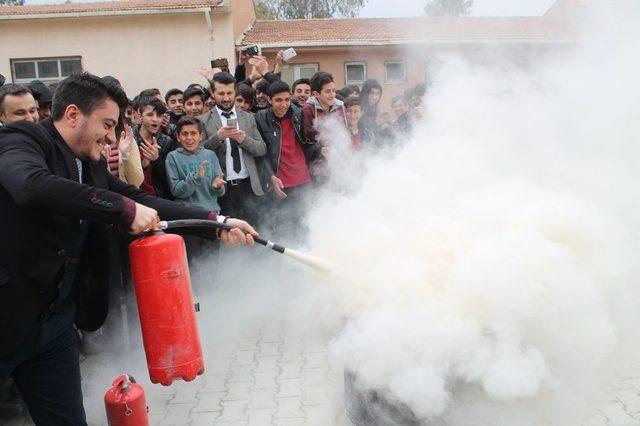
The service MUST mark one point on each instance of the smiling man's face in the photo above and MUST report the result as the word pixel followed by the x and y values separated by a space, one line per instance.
pixel 96 130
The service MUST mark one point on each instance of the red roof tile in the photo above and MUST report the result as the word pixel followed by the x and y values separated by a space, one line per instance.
pixel 109 6
pixel 389 30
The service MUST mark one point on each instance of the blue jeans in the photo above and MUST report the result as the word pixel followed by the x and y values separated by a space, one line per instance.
pixel 46 369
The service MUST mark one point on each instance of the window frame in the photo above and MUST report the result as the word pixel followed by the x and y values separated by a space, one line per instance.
pixel 387 80
pixel 296 68
pixel 35 61
pixel 346 75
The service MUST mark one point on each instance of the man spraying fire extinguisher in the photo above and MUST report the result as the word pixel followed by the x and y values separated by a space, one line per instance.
pixel 58 208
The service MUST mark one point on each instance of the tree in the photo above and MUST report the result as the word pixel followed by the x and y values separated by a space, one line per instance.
pixel 448 7
pixel 11 2
pixel 307 9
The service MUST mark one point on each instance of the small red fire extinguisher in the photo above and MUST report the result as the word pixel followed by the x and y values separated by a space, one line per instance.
pixel 125 403
pixel 165 305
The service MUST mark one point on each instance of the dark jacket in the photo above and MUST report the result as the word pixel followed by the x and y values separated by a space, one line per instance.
pixel 269 128
pixel 158 170
pixel 41 206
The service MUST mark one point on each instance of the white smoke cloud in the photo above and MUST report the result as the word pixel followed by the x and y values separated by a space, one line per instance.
pixel 491 261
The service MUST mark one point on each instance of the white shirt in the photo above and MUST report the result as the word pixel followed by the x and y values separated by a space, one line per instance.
pixel 231 174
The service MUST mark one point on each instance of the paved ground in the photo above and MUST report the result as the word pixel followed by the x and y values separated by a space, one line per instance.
pixel 267 362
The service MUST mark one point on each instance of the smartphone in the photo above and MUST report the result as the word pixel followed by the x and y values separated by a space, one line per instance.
pixel 251 51
pixel 232 122
pixel 220 63
pixel 289 54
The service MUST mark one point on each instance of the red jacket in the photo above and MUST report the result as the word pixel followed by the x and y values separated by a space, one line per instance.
pixel 312 110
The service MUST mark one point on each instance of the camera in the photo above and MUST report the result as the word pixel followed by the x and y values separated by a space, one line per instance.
pixel 251 51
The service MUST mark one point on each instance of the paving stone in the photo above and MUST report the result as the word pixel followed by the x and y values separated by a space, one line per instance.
pixel 317 395
pixel 260 417
pixel 291 355
pixel 319 415
pixel 241 374
pixel 178 413
pixel 245 358
pixel 267 364
pixel 233 411
pixel 265 380
pixel 315 360
pixel 289 387
pixel 203 419
pixel 247 344
pixel 267 349
pixel 217 383
pixel 263 398
pixel 271 334
pixel 208 402
pixel 289 422
pixel 185 396
pixel 290 370
pixel 238 391
pixel 314 376
pixel 315 345
pixel 218 366
pixel 615 415
pixel 289 408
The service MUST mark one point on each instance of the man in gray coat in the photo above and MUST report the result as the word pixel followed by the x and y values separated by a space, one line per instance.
pixel 233 135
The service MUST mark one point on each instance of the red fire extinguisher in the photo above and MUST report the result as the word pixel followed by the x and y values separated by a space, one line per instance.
pixel 125 403
pixel 165 305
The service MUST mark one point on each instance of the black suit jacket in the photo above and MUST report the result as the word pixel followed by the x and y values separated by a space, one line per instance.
pixel 41 205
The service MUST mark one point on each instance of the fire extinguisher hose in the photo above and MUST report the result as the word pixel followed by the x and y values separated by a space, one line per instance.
pixel 314 262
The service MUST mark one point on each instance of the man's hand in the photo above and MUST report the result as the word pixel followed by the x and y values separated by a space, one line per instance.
pixel 242 234
pixel 165 123
pixel 261 64
pixel 145 219
pixel 106 153
pixel 238 135
pixel 278 187
pixel 218 182
pixel 150 151
pixel 226 132
pixel 202 169
pixel 126 141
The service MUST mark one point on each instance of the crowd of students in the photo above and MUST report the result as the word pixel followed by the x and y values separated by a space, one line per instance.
pixel 247 144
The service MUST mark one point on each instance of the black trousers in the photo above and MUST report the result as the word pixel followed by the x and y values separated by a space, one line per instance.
pixel 46 369
pixel 240 202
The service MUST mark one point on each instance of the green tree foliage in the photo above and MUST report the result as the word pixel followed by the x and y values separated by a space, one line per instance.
pixel 307 9
pixel 448 7
pixel 11 2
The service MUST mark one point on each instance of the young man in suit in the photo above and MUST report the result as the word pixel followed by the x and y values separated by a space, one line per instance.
pixel 233 135
pixel 59 206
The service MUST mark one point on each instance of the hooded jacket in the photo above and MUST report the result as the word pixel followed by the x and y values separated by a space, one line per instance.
pixel 42 204
pixel 313 110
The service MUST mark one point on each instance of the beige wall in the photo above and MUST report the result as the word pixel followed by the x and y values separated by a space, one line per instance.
pixel 417 60
pixel 162 51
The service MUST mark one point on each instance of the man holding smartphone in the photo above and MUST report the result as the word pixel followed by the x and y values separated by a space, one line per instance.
pixel 233 135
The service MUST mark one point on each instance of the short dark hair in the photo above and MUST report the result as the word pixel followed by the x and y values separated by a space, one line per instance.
pixel 222 78
pixel 278 87
pixel 191 92
pixel 12 89
pixel 170 93
pixel 247 92
pixel 420 89
pixel 319 79
pixel 300 81
pixel 187 120
pixel 351 102
pixel 86 91
pixel 157 105
pixel 397 98
pixel 408 93
pixel 263 86
pixel 148 93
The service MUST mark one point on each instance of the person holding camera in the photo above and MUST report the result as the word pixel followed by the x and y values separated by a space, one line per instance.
pixel 233 135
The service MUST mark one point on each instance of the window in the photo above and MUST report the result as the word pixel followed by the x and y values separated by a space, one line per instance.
pixel 49 70
pixel 355 72
pixel 395 72
pixel 293 72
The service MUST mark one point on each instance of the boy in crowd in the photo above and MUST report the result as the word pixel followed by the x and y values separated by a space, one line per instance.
pixel 193 102
pixel 285 167
pixel 301 91
pixel 245 97
pixel 323 102
pixel 43 94
pixel 354 115
pixel 194 173
pixel 262 99
pixel 402 123
pixel 173 99
pixel 154 147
